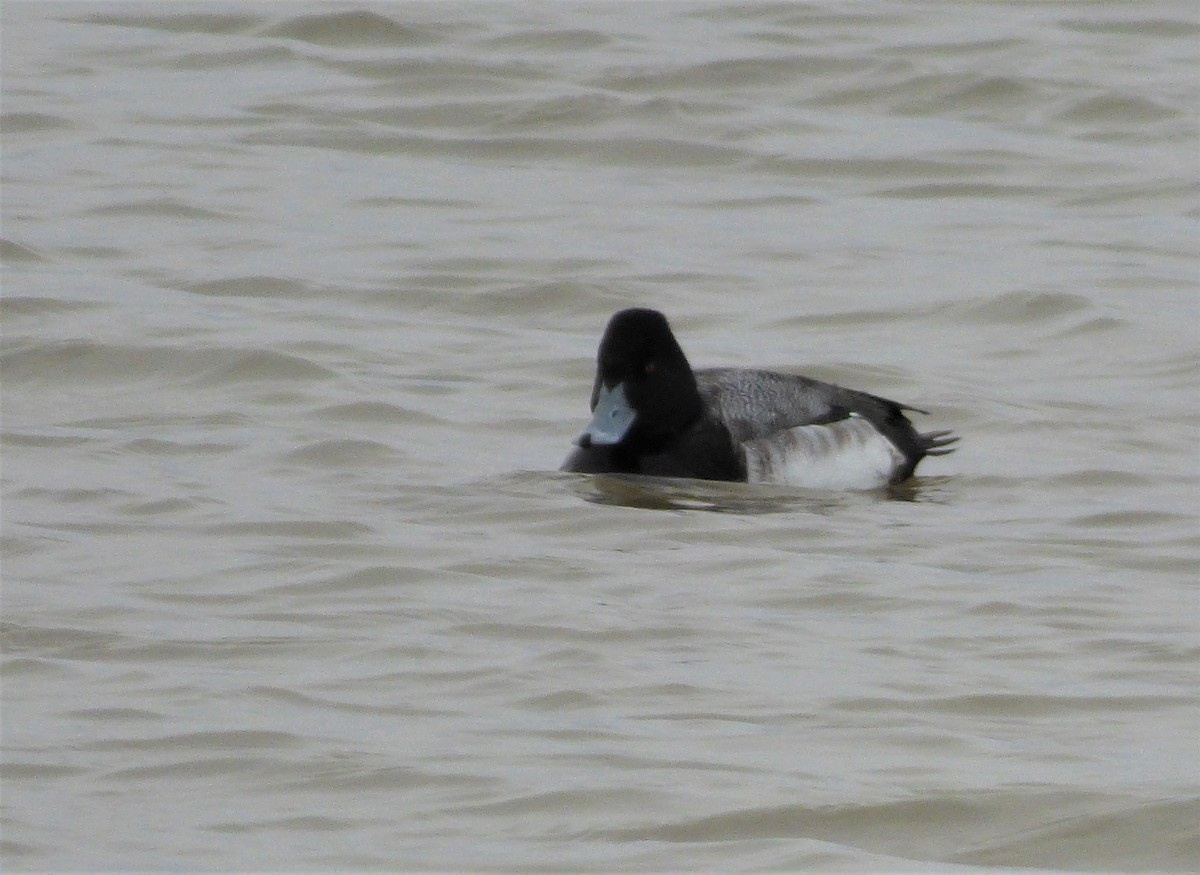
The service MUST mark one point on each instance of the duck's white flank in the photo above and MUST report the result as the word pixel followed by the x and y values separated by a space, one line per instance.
pixel 847 454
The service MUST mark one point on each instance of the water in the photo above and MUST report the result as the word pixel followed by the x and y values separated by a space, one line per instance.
pixel 299 311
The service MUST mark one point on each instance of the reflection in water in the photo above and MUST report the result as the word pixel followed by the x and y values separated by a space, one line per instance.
pixel 663 493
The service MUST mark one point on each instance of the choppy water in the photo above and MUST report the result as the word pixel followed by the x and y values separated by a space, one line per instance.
pixel 299 307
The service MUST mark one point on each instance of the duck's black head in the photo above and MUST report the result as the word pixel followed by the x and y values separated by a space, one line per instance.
pixel 645 393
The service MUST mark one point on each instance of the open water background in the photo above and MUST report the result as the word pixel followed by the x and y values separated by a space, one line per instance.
pixel 299 310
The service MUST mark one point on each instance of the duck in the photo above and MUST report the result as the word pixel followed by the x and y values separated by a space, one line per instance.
pixel 653 415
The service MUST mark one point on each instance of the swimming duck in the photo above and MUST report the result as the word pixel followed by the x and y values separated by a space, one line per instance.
pixel 652 414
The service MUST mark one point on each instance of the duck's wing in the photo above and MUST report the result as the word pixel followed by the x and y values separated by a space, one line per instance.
pixel 756 404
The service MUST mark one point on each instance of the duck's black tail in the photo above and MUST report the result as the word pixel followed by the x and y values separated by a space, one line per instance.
pixel 930 443
pixel 938 443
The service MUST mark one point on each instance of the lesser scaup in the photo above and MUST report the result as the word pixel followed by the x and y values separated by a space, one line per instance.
pixel 652 414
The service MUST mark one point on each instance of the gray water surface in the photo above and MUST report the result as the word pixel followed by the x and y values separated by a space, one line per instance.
pixel 300 305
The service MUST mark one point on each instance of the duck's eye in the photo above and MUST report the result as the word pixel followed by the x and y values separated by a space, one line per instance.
pixel 650 367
